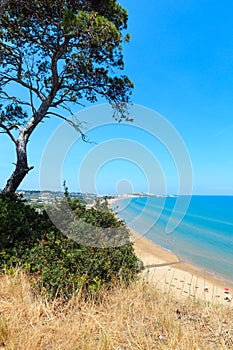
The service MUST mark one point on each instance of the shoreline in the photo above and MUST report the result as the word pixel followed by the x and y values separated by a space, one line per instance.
pixel 164 269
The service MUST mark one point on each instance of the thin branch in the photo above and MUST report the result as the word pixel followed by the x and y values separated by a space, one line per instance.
pixel 7 131
pixel 31 101
pixel 61 102
pixel 86 87
pixel 58 102
pixel 76 126
pixel 30 90
pixel 13 98
pixel 57 55
pixel 3 80
pixel 21 82
pixel 13 126
pixel 8 49
pixel 14 59
pixel 68 109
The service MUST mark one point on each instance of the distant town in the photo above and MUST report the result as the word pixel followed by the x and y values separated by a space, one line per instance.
pixel 49 197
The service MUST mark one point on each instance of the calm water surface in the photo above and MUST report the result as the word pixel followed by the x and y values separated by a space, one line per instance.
pixel 203 238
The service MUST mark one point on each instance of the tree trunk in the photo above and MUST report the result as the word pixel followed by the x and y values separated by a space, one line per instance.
pixel 21 167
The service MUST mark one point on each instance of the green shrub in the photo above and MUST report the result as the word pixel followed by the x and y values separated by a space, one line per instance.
pixel 60 265
pixel 19 222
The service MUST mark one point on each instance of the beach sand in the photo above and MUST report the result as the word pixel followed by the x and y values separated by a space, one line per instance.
pixel 164 269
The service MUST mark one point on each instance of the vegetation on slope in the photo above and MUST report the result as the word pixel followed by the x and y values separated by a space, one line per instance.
pixel 61 266
pixel 136 317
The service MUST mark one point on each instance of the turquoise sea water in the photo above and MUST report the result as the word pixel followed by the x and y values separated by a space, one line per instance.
pixel 203 238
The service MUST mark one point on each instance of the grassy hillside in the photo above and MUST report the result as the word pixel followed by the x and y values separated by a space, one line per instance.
pixel 137 317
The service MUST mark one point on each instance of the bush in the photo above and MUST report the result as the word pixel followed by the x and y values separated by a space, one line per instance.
pixel 61 265
pixel 19 222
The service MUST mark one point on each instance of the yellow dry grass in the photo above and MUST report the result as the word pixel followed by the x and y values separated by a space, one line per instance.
pixel 137 317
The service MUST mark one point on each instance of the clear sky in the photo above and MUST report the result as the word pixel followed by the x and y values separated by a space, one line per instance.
pixel 180 59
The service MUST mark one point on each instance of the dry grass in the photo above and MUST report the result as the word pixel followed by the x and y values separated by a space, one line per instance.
pixel 138 317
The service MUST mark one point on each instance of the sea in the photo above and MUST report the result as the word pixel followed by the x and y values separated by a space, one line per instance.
pixel 198 229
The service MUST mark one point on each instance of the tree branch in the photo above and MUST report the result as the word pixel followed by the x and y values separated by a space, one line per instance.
pixel 21 82
pixel 76 125
pixel 13 98
pixel 30 91
pixel 7 131
pixel 58 54
pixel 61 102
pixel 85 87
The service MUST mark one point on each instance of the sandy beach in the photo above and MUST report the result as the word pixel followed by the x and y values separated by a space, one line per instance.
pixel 164 269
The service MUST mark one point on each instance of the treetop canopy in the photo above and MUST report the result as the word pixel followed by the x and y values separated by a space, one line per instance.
pixel 64 50
pixel 58 53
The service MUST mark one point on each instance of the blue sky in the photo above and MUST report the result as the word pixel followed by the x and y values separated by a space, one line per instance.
pixel 180 59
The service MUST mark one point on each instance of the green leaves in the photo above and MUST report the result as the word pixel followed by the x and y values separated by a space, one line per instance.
pixel 19 222
pixel 63 47
pixel 13 115
pixel 69 21
pixel 54 54
pixel 60 265
pixel 97 29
